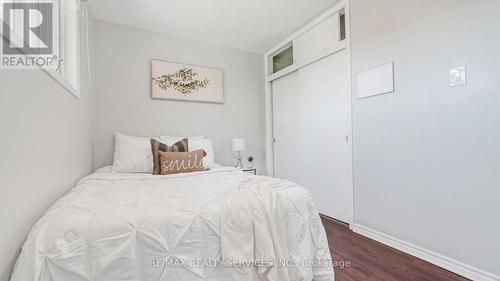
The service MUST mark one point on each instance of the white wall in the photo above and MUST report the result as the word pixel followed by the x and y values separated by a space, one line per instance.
pixel 427 158
pixel 123 98
pixel 45 147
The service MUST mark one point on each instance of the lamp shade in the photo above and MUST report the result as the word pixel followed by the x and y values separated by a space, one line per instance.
pixel 238 144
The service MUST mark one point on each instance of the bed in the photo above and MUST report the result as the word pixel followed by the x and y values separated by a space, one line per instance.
pixel 221 224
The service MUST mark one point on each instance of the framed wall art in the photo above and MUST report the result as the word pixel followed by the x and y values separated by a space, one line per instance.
pixel 175 81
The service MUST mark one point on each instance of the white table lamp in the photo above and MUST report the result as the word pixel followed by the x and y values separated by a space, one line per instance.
pixel 239 146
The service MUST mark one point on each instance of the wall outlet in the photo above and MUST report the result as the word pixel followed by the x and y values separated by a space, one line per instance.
pixel 457 76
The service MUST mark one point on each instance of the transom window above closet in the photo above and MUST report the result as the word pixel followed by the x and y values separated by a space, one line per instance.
pixel 321 38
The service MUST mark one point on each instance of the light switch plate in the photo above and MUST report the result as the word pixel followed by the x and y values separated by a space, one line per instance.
pixel 457 76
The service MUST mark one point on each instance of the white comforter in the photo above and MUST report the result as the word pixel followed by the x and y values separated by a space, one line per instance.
pixel 219 225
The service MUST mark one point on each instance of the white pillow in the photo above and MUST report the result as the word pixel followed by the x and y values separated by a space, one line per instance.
pixel 207 145
pixel 168 140
pixel 104 170
pixel 132 154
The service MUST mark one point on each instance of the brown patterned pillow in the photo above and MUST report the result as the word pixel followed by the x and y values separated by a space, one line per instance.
pixel 157 146
pixel 181 162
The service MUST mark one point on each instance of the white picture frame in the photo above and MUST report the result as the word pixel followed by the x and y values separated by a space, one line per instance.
pixel 375 81
pixel 183 82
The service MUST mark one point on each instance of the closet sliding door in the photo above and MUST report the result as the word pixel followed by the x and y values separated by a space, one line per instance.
pixel 311 119
pixel 288 126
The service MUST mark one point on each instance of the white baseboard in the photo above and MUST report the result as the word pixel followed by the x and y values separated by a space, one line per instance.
pixel 447 263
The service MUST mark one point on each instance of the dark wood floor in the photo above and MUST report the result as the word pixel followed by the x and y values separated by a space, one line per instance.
pixel 372 261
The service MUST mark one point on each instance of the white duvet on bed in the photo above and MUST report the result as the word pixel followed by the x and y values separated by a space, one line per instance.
pixel 221 224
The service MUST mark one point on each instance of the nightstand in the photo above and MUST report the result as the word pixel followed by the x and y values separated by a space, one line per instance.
pixel 250 170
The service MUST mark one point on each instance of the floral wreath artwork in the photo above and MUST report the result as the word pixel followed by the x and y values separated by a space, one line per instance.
pixel 183 81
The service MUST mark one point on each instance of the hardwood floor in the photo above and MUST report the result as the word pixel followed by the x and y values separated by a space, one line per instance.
pixel 373 261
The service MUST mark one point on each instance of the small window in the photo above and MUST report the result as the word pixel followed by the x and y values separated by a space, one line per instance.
pixel 64 32
pixel 342 31
pixel 283 59
pixel 69 48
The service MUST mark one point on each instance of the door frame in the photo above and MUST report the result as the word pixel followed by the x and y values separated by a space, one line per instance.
pixel 268 78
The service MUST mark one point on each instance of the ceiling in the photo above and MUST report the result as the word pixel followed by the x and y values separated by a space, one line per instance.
pixel 251 25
